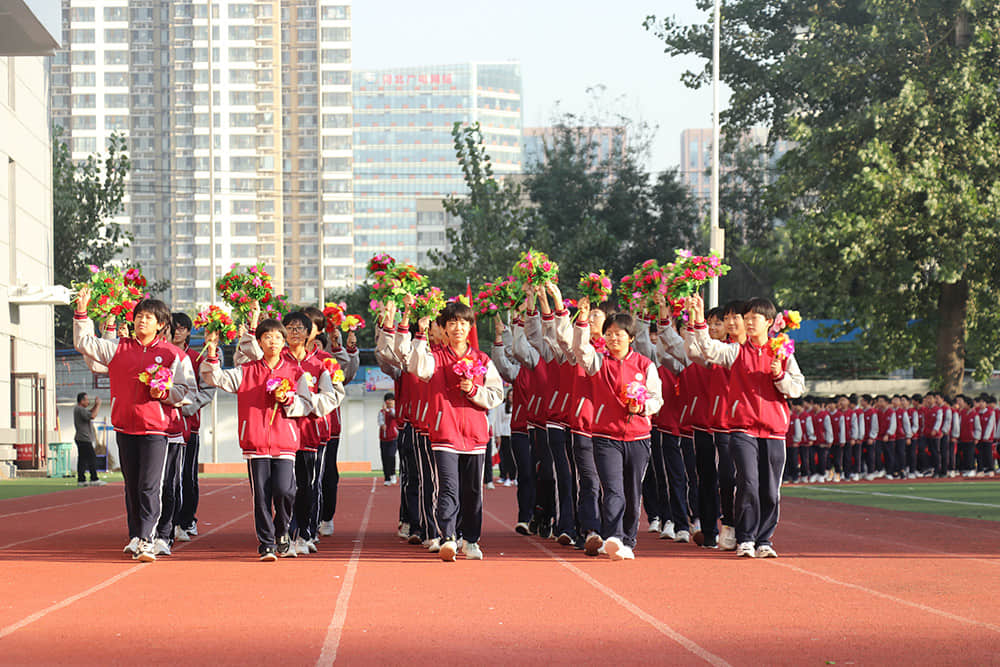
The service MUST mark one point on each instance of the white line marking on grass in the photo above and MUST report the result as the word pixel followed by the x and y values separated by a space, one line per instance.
pixel 908 497
pixel 629 606
pixel 336 628
pixel 945 522
pixel 28 620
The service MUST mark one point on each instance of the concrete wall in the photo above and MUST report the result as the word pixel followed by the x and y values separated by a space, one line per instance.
pixel 26 332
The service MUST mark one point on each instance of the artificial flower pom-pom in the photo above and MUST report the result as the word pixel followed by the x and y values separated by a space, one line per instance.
pixel 595 286
pixel 535 268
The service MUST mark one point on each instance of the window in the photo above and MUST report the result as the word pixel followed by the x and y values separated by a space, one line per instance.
pixel 116 57
pixel 241 98
pixel 113 79
pixel 84 144
pixel 331 56
pixel 115 122
pixel 84 101
pixel 81 36
pixel 138 14
pixel 241 55
pixel 336 120
pixel 82 14
pixel 336 12
pixel 241 76
pixel 85 57
pixel 143 101
pixel 241 11
pixel 244 250
pixel 116 101
pixel 306 13
pixel 242 141
pixel 84 79
pixel 242 119
pixel 142 79
pixel 84 122
pixel 336 185
pixel 307 55
pixel 337 78
pixel 340 250
pixel 243 229
pixel 336 34
pixel 242 164
pixel 337 207
pixel 241 32
pixel 116 36
pixel 336 142
pixel 336 99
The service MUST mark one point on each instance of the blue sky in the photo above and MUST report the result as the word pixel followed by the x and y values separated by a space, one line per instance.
pixel 564 47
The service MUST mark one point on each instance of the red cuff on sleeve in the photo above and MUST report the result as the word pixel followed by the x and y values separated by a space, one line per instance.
pixel 79 316
pixel 212 360
pixel 389 330
pixel 548 317
pixel 697 327
pixel 582 323
pixel 562 313
pixel 664 323
pixel 351 350
pixel 402 329
pixel 420 336
pixel 531 313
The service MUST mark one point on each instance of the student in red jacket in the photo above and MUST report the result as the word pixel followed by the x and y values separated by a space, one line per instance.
pixel 626 392
pixel 462 385
pixel 388 432
pixel 271 392
pixel 139 412
pixel 760 384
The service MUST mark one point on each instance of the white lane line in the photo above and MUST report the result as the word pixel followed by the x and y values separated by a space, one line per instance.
pixel 93 523
pixel 870 538
pixel 629 606
pixel 908 497
pixel 56 507
pixel 336 628
pixel 38 615
pixel 891 598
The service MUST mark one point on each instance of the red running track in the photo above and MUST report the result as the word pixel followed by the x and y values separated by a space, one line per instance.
pixel 853 586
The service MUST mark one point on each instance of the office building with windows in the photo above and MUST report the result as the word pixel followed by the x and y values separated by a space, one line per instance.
pixel 404 156
pixel 238 119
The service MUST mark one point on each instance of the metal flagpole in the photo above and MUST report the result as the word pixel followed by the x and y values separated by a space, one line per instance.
pixel 717 235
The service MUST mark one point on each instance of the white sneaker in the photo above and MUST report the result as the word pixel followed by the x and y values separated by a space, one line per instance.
pixel 312 546
pixel 766 551
pixel 667 530
pixel 403 533
pixel 682 536
pixel 695 525
pixel 491 485
pixel 593 545
pixel 144 554
pixel 394 480
pixel 654 526
pixel 192 530
pixel 300 546
pixel 507 482
pixel 521 528
pixel 613 547
pixel 472 551
pixel 98 482
pixel 387 482
pixel 448 551
pixel 727 538
pixel 434 546
pixel 745 550
pixel 326 528
pixel 160 547
pixel 181 535
pixel 132 547
pixel 626 553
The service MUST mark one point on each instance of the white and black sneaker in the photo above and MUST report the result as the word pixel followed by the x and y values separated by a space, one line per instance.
pixel 132 548
pixel 745 550
pixel 145 554
pixel 285 548
pixel 161 547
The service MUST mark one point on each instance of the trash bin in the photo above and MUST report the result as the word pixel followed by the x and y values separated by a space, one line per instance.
pixel 60 454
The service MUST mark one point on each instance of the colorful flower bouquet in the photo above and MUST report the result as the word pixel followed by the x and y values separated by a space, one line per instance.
pixel 334 314
pixel 113 292
pixel 687 274
pixel 394 283
pixel 596 287
pixel 469 368
pixel 634 395
pixel 778 339
pixel 638 289
pixel 429 303
pixel 215 319
pixel 381 262
pixel 278 388
pixel 158 378
pixel 331 366
pixel 498 296
pixel 240 289
pixel 352 323
pixel 535 268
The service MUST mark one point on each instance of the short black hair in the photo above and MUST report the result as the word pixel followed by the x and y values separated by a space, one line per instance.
pixel 761 306
pixel 389 397
pixel 79 397
pixel 456 310
pixel 736 306
pixel 301 318
pixel 181 320
pixel 316 316
pixel 269 325
pixel 715 314
pixel 623 321
pixel 156 307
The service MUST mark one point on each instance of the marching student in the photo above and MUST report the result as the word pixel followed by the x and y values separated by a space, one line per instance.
pixel 793 442
pixel 823 431
pixel 626 393
pixel 518 374
pixel 842 434
pixel 988 419
pixel 807 447
pixel 760 383
pixel 186 519
pixel 271 392
pixel 967 431
pixel 869 435
pixel 880 459
pixel 911 431
pixel 462 385
pixel 932 419
pixel 388 433
pixel 898 435
pixel 139 411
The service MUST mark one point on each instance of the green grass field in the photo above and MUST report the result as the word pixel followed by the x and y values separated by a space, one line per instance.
pixel 16 488
pixel 969 499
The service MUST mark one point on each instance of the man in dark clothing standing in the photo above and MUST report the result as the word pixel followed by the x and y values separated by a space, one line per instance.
pixel 86 458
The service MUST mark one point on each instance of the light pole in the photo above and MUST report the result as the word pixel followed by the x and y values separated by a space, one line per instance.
pixel 716 235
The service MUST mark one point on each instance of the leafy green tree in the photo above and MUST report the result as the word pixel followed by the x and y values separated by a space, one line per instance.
pixel 892 186
pixel 493 218
pixel 85 197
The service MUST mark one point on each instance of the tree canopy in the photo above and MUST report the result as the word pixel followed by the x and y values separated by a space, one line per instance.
pixel 891 188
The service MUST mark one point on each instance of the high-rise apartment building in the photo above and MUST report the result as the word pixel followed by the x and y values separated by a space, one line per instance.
pixel 404 156
pixel 606 142
pixel 238 117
